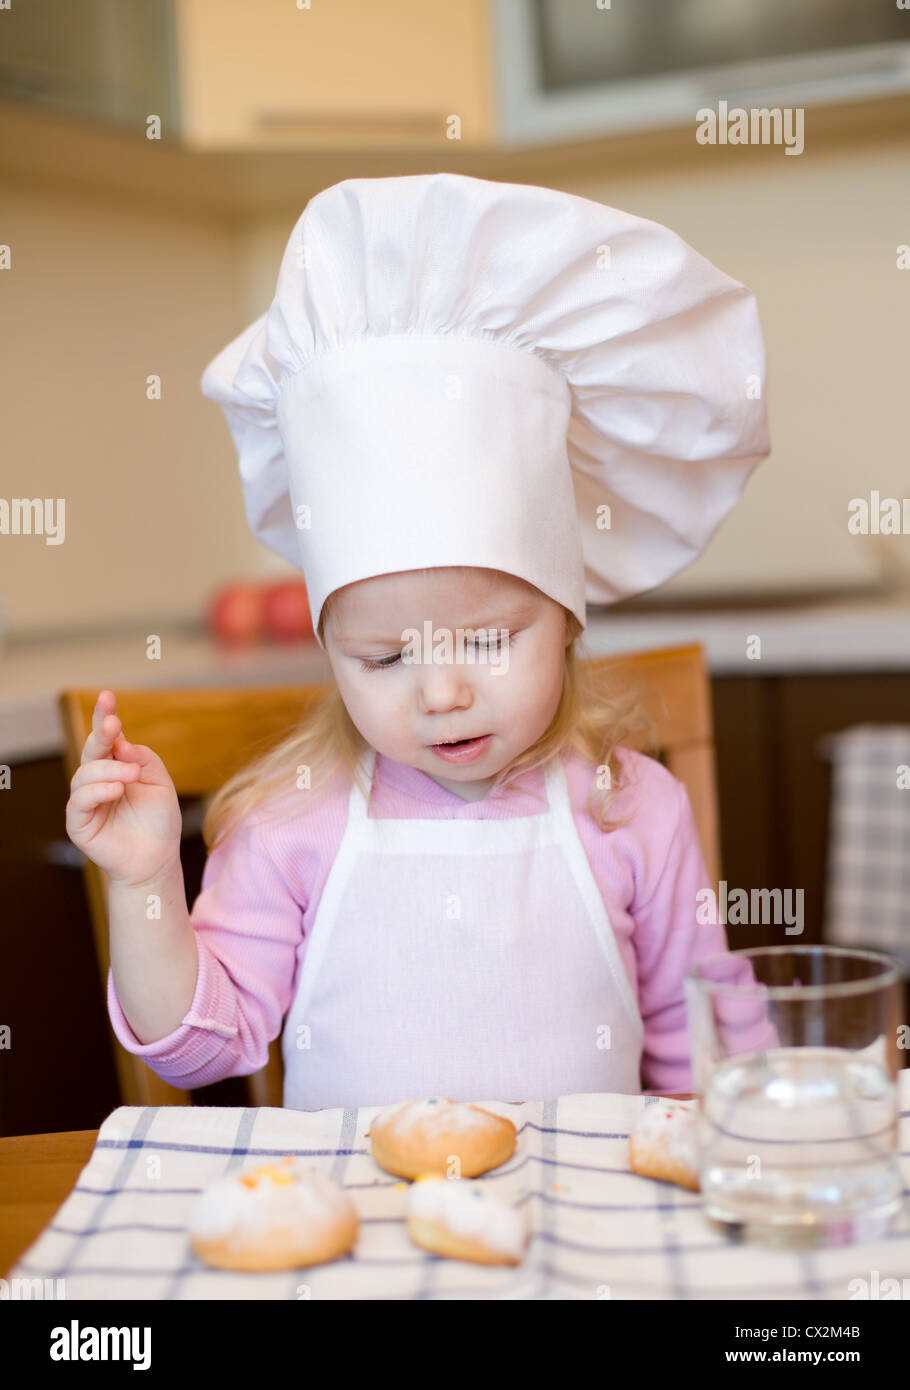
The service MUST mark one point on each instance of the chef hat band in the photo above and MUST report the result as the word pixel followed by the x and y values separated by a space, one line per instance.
pixel 459 444
pixel 455 371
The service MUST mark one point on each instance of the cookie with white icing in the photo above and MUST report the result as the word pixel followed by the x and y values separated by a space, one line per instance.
pixel 663 1143
pixel 464 1220
pixel 444 1137
pixel 278 1215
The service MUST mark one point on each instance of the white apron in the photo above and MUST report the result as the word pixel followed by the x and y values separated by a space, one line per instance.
pixel 472 959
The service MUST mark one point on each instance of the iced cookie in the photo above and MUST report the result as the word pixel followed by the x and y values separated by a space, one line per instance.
pixel 663 1143
pixel 276 1216
pixel 424 1136
pixel 463 1220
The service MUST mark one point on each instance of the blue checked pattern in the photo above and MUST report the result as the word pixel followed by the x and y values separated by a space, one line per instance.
pixel 598 1231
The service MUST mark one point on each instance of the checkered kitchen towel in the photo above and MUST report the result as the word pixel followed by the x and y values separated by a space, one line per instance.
pixel 868 891
pixel 599 1231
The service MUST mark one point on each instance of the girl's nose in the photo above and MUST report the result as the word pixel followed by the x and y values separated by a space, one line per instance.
pixel 443 687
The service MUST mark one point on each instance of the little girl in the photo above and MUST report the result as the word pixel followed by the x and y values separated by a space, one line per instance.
pixel 471 408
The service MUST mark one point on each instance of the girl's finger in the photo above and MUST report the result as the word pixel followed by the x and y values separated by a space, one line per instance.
pixel 133 752
pixel 104 770
pixel 105 729
pixel 85 801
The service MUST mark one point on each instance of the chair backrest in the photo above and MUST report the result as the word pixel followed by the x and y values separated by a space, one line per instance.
pixel 203 736
pixel 674 686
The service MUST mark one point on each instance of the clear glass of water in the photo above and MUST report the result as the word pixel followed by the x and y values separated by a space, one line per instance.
pixel 795 1061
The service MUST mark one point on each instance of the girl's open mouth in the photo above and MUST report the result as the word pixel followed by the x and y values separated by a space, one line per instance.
pixel 465 751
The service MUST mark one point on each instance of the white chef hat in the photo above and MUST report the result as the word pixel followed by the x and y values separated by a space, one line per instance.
pixel 455 371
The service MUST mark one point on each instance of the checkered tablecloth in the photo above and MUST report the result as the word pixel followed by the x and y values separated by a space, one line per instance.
pixel 599 1231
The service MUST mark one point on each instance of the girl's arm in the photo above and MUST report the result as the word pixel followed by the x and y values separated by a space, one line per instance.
pixel 199 995
pixel 668 940
pixel 153 953
pixel 245 928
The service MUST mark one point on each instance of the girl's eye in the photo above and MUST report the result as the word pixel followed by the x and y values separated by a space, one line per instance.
pixel 381 665
pixel 385 662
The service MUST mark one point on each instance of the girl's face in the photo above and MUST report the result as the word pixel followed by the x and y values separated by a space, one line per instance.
pixel 505 682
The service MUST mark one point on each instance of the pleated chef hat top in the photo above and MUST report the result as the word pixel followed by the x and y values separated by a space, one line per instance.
pixel 455 371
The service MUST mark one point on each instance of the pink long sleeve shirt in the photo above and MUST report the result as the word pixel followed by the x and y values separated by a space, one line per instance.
pixel 262 886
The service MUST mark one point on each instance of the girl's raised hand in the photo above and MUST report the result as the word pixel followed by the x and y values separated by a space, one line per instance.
pixel 123 811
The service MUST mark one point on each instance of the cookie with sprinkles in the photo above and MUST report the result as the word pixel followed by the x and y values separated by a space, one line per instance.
pixel 663 1143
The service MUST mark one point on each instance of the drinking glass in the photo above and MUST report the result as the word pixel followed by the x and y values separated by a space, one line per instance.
pixel 795 1061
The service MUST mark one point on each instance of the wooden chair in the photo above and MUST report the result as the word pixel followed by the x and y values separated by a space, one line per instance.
pixel 674 685
pixel 204 735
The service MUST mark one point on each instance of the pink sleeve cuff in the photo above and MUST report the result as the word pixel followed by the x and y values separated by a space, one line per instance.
pixel 195 1042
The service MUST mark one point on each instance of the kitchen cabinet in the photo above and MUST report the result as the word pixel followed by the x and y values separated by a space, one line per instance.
pixel 410 75
pixel 226 74
pixel 405 75
pixel 108 60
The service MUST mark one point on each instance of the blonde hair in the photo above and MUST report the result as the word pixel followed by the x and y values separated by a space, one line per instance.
pixel 595 714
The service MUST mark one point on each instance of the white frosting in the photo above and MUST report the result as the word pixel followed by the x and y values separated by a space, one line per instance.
pixel 229 1206
pixel 470 1209
pixel 449 1113
pixel 669 1125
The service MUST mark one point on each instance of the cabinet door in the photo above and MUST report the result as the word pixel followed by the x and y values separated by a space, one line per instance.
pixel 333 73
pixel 109 59
pixel 774 783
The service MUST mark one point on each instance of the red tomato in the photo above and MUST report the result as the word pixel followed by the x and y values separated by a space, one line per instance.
pixel 236 613
pixel 286 611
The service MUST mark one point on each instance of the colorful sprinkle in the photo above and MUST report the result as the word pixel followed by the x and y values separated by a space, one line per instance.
pixel 272 1171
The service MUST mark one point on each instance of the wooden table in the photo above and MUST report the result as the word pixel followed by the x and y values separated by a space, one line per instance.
pixel 37 1174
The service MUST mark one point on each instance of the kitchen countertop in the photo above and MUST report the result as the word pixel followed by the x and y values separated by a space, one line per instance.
pixel 849 635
